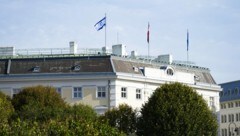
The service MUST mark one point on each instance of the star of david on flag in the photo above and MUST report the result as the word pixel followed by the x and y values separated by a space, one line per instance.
pixel 100 24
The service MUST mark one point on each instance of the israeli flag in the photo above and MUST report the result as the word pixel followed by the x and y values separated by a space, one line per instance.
pixel 99 25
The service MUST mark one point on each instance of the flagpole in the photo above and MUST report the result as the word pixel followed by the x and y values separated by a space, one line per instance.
pixel 187 49
pixel 148 51
pixel 106 33
pixel 148 39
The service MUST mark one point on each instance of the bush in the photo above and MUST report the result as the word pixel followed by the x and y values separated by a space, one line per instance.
pixel 175 109
pixel 6 108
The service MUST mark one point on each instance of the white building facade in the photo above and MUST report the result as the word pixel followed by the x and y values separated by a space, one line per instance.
pixel 104 81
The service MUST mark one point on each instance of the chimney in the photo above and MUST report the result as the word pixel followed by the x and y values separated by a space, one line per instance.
pixel 73 47
pixel 133 54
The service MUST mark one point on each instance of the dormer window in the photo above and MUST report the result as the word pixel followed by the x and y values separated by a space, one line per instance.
pixel 135 69
pixel 36 69
pixel 169 71
pixel 76 68
pixel 197 78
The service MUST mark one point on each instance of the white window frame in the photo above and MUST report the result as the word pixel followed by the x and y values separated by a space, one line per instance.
pixel 101 90
pixel 124 92
pixel 138 94
pixel 211 101
pixel 73 92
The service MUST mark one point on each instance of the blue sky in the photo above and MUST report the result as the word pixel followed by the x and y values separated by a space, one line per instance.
pixel 214 28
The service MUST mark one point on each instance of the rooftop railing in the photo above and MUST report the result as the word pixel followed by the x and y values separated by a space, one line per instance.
pixel 10 52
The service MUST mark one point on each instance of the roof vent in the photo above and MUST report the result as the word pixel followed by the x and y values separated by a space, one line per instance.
pixel 36 69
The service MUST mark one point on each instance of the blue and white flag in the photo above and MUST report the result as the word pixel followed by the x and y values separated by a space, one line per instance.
pixel 100 24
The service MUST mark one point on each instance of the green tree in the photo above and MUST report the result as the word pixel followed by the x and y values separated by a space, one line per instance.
pixel 123 118
pixel 6 108
pixel 38 103
pixel 80 111
pixel 176 109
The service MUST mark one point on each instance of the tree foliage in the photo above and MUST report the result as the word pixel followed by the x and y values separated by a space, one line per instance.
pixel 39 102
pixel 69 127
pixel 41 111
pixel 176 109
pixel 123 118
pixel 80 112
pixel 6 108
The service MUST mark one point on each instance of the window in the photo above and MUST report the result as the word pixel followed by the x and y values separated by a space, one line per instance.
pixel 230 105
pixel 224 132
pixel 59 90
pixel 101 92
pixel 124 92
pixel 229 92
pixel 237 118
pixel 221 94
pixel 77 92
pixel 16 91
pixel 238 131
pixel 236 91
pixel 223 118
pixel 169 71
pixel 230 117
pixel 236 104
pixel 223 106
pixel 138 94
pixel 211 102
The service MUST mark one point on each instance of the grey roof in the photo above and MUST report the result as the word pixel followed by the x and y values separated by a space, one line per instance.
pixel 126 66
pixel 94 64
pixel 57 65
